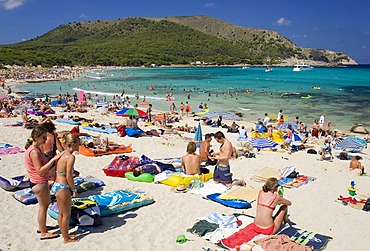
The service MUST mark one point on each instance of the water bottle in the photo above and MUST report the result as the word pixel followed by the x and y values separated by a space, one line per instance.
pixel 281 191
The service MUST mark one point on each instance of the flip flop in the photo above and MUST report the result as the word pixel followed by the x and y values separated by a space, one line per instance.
pixel 48 228
pixel 49 237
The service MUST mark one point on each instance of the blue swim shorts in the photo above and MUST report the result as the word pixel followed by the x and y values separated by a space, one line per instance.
pixel 222 174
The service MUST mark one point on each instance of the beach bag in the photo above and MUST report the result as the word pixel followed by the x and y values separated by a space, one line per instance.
pixel 367 205
pixel 311 151
pixel 121 130
pixel 195 184
pixel 85 213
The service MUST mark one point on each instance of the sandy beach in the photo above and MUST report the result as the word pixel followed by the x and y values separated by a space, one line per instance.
pixel 155 226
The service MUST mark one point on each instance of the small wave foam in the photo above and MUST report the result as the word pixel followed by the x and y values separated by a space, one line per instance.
pixel 113 93
pixel 244 109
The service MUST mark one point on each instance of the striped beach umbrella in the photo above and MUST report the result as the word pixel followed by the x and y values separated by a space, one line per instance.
pixel 348 145
pixel 261 143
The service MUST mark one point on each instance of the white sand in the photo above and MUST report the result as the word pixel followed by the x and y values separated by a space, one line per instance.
pixel 155 227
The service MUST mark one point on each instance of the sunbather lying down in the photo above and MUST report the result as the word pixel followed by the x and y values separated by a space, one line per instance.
pixel 100 145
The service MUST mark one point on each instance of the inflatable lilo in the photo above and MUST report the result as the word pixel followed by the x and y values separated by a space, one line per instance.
pixel 17 182
pixel 176 179
pixel 120 165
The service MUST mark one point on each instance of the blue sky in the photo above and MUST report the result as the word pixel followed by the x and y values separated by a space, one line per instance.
pixel 338 25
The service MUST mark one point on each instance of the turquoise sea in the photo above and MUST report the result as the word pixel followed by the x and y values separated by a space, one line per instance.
pixel 343 93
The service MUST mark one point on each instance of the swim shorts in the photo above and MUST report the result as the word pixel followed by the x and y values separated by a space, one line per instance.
pixel 222 174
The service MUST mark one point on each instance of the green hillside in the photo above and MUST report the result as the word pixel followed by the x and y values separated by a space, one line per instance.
pixel 146 41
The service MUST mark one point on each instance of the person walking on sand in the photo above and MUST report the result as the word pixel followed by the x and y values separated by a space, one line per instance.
pixel 64 186
pixel 322 121
pixel 222 173
pixel 187 108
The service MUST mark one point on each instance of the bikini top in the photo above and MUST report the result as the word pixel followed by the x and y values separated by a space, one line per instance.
pixel 266 205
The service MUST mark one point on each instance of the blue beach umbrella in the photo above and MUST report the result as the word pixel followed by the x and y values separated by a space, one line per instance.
pixel 348 145
pixel 198 135
pixel 359 140
pixel 261 143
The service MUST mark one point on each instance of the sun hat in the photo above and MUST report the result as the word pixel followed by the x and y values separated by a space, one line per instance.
pixel 180 189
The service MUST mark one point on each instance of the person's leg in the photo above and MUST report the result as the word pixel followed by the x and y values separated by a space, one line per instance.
pixel 238 182
pixel 279 217
pixel 64 206
pixel 43 197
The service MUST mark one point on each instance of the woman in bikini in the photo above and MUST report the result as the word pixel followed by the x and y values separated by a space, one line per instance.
pixel 38 167
pixel 268 199
pixel 63 187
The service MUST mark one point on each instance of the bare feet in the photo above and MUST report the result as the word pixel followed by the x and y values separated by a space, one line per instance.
pixel 71 238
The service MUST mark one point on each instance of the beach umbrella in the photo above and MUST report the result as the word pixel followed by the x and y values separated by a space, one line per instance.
pixel 261 143
pixel 359 140
pixel 296 139
pixel 348 144
pixel 126 112
pixel 198 135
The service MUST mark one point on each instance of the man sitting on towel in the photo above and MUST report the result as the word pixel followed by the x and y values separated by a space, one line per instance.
pixel 191 161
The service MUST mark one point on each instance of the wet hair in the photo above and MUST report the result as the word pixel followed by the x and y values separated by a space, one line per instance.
pixel 271 183
pixel 35 134
pixel 70 139
pixel 49 126
pixel 191 148
pixel 358 157
pixel 219 135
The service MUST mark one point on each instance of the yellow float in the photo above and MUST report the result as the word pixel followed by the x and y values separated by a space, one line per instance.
pixel 175 179
pixel 277 137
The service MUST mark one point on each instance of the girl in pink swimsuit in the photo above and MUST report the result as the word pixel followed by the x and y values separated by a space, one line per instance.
pixel 38 168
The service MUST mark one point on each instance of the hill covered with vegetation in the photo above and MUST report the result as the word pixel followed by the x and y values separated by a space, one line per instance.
pixel 137 41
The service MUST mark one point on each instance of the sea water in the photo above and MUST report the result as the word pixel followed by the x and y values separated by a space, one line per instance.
pixel 343 94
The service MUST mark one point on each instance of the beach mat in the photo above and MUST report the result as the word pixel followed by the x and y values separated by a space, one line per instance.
pixel 265 174
pixel 243 193
pixel 305 237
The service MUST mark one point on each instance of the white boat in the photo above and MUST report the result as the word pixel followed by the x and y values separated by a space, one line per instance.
pixel 302 67
pixel 268 68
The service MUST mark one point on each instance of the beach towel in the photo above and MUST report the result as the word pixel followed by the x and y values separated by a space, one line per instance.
pixel 10 150
pixel 247 193
pixel 209 187
pixel 305 237
pixel 100 129
pixel 356 202
pixel 265 174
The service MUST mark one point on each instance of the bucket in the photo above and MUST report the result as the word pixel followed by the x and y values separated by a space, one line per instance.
pixel 352 192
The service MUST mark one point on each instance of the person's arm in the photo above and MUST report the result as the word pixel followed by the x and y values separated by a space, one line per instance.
pixel 57 143
pixel 41 170
pixel 281 200
pixel 183 164
pixel 69 173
